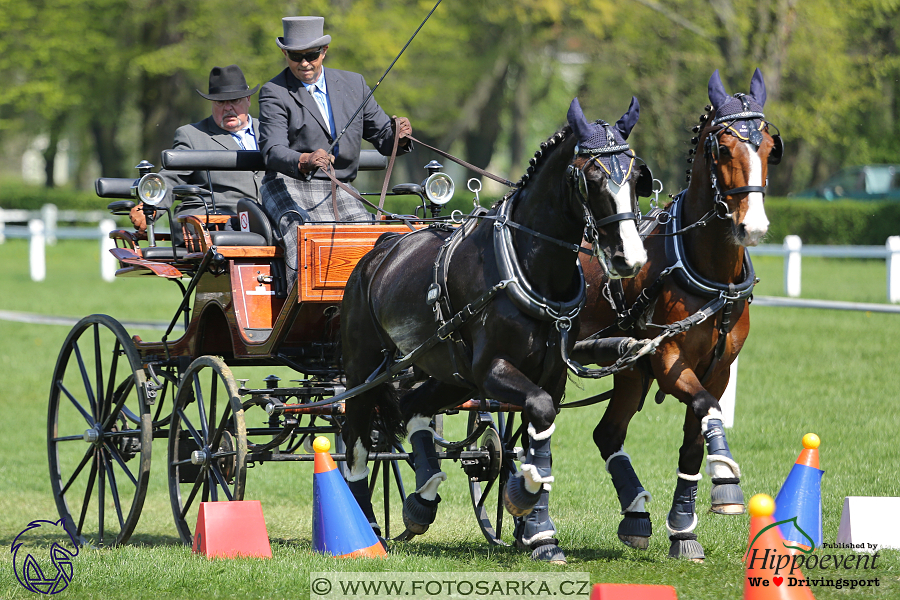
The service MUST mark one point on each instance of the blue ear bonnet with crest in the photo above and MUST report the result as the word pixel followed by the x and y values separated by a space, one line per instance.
pixel 742 113
pixel 605 142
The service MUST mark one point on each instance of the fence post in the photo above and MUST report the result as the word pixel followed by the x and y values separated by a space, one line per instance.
pixel 49 214
pixel 36 250
pixel 727 401
pixel 893 268
pixel 792 247
pixel 108 262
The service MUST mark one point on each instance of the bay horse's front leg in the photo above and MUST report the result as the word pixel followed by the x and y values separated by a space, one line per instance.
pixel 527 494
pixel 609 436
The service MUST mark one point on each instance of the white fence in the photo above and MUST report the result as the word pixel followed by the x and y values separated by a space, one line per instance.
pixel 42 229
pixel 793 249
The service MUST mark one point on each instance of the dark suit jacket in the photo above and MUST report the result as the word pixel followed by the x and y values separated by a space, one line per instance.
pixel 290 123
pixel 228 186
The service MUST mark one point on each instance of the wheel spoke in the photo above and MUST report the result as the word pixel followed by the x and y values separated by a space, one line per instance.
pixel 90 420
pixel 98 369
pixel 200 482
pixel 84 461
pixel 101 494
pixel 113 368
pixel 222 483
pixel 87 493
pixel 197 437
pixel 122 396
pixel 86 381
pixel 201 407
pixel 114 490
pixel 114 452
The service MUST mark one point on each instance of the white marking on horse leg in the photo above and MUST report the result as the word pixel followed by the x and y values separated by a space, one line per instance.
pixel 359 468
pixel 756 224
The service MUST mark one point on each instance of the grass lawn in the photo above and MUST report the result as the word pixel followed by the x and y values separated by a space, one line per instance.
pixel 830 372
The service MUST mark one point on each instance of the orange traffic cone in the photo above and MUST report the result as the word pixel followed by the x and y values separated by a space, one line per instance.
pixel 339 526
pixel 772 573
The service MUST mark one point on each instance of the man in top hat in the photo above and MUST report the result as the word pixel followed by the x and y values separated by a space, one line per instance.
pixel 301 112
pixel 229 127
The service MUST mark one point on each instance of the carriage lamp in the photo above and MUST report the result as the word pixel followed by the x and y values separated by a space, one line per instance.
pixel 438 187
pixel 150 189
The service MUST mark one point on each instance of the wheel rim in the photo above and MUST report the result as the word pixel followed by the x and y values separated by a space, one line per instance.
pixel 99 433
pixel 207 454
pixel 487 496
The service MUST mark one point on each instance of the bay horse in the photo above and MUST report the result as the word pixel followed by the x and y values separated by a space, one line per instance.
pixel 693 296
pixel 495 291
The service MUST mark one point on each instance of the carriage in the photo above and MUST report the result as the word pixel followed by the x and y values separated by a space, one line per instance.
pixel 506 368
pixel 113 394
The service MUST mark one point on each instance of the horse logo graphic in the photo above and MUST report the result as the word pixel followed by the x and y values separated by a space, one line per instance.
pixel 37 576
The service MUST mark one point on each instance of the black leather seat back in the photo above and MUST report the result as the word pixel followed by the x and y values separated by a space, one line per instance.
pixel 257 220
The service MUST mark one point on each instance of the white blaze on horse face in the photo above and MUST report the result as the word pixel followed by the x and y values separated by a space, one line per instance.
pixel 632 247
pixel 755 222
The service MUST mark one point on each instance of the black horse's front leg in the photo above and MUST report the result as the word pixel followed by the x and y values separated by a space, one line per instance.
pixel 527 494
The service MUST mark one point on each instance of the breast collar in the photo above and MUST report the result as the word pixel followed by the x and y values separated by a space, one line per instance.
pixel 684 273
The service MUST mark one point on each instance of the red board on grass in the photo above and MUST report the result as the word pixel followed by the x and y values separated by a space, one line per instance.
pixel 231 529
pixel 628 591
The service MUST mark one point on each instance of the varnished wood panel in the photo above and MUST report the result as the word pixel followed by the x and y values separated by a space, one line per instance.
pixel 255 303
pixel 328 254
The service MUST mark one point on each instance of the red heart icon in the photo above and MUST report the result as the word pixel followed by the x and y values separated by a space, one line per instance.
pixel 777 580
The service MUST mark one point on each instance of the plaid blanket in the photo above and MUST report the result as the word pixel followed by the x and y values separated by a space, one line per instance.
pixel 291 202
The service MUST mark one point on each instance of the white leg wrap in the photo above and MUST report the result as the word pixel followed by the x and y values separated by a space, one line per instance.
pixel 721 467
pixel 418 423
pixel 620 452
pixel 533 481
pixel 429 490
pixel 686 477
pixel 359 468
pixel 637 505
pixel 689 529
pixel 540 535
pixel 713 414
pixel 543 435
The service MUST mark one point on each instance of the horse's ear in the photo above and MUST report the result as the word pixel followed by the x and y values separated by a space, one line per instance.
pixel 629 119
pixel 758 87
pixel 717 93
pixel 576 120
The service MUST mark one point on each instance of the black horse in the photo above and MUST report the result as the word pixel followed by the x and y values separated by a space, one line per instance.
pixel 498 288
pixel 692 298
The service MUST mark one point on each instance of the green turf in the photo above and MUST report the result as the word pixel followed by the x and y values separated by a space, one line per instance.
pixel 831 372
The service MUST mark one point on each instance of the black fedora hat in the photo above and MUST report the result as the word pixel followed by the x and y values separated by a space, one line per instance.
pixel 227 83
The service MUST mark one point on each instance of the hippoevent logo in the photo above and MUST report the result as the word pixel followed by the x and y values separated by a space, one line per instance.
pixel 42 556
pixel 832 569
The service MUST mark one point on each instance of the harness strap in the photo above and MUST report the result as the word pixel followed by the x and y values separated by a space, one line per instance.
pixel 469 166
pixel 390 167
pixel 503 220
pixel 744 190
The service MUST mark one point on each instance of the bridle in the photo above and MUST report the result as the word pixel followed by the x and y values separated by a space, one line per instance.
pixel 726 124
pixel 614 176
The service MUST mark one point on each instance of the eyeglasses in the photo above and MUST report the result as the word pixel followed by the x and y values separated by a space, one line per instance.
pixel 299 57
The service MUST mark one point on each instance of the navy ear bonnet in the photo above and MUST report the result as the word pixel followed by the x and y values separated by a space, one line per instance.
pixel 605 142
pixel 742 113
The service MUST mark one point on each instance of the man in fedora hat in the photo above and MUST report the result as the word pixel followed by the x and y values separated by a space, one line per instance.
pixel 229 127
pixel 301 112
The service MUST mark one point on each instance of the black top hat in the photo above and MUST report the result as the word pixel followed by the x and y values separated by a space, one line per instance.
pixel 227 83
pixel 301 33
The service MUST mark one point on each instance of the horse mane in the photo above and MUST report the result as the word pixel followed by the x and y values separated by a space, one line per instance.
pixel 537 160
pixel 695 149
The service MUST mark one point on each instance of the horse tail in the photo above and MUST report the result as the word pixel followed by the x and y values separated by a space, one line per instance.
pixel 388 417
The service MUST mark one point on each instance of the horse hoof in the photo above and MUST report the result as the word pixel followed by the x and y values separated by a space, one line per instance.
pixel 418 513
pixel 686 546
pixel 635 541
pixel 544 551
pixel 635 530
pixel 518 500
pixel 727 499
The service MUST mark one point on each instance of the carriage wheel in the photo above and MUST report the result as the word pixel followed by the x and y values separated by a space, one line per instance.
pixel 99 432
pixel 207 456
pixel 487 490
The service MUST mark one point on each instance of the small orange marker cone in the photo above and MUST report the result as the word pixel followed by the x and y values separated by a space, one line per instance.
pixel 339 526
pixel 770 574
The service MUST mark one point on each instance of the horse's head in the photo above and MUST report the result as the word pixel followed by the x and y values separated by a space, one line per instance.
pixel 606 179
pixel 734 151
